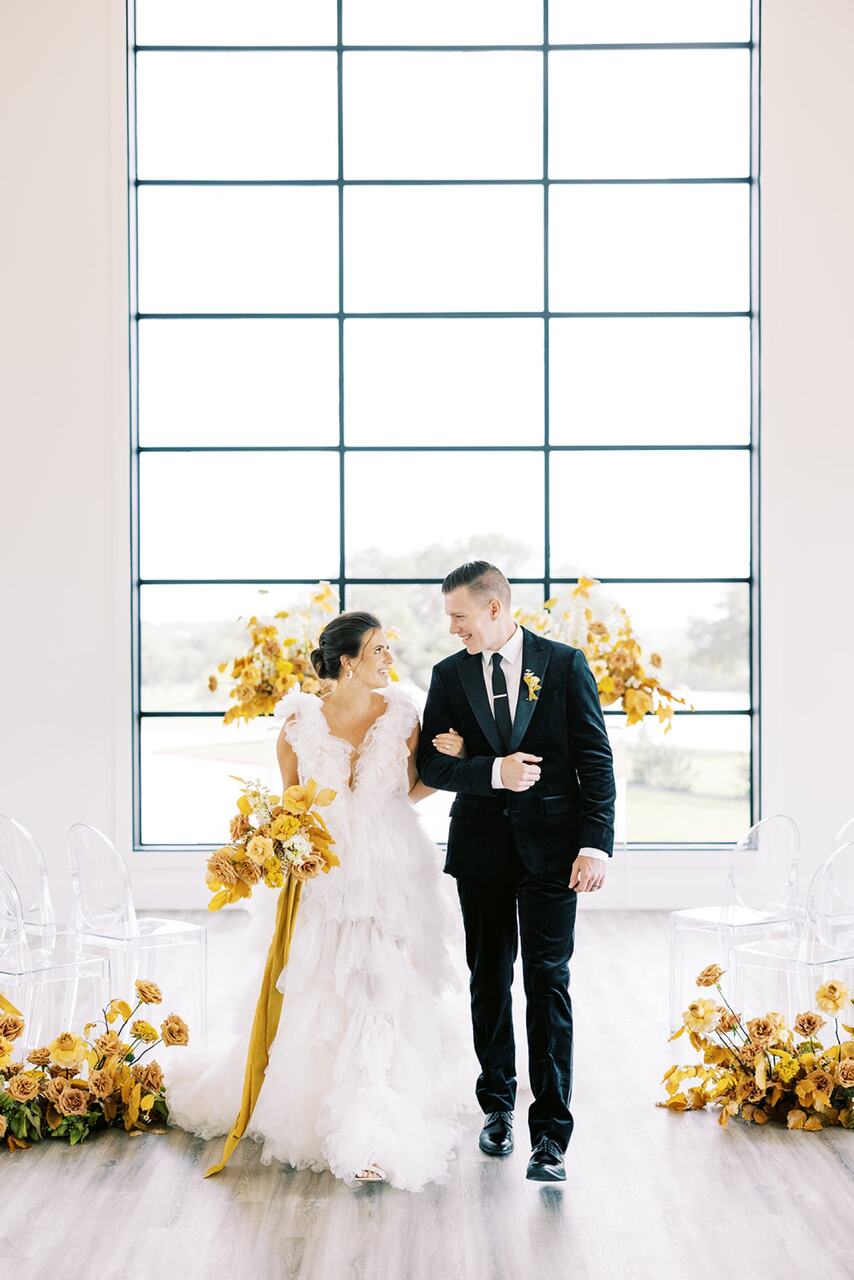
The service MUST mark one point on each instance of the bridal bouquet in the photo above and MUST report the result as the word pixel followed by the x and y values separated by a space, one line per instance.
pixel 273 839
pixel 762 1069
pixel 51 1098
pixel 613 652
pixel 277 660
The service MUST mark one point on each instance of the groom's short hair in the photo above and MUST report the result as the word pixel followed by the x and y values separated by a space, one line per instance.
pixel 484 580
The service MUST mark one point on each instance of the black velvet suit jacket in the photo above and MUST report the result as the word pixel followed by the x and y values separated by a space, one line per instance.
pixel 572 805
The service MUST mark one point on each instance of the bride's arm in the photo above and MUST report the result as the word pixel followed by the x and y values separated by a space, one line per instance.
pixel 287 761
pixel 450 744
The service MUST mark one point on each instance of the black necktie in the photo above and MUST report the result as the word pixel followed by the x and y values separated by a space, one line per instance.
pixel 501 702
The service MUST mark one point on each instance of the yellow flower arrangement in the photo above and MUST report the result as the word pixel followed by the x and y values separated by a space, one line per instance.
pixel 277 659
pixel 761 1069
pixel 272 838
pixel 613 652
pixel 53 1100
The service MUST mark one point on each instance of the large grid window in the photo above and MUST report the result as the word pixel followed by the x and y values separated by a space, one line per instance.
pixel 414 283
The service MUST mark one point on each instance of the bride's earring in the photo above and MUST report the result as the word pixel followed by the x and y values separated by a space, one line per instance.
pixel 349 675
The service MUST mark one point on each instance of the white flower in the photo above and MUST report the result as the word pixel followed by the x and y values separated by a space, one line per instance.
pixel 297 849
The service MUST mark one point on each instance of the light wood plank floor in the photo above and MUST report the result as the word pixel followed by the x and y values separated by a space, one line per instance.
pixel 648 1194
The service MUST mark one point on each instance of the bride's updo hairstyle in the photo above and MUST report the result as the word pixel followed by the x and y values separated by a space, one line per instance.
pixel 342 637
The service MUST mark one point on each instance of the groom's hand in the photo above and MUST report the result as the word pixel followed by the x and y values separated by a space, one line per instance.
pixel 587 874
pixel 520 771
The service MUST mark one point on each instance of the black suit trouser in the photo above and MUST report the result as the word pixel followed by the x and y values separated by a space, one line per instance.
pixel 539 912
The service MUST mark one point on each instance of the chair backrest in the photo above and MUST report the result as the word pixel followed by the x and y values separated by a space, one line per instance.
pixel 14 949
pixel 24 861
pixel 100 880
pixel 844 834
pixel 763 873
pixel 830 899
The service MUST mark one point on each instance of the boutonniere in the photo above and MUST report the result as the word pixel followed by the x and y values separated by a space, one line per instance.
pixel 533 683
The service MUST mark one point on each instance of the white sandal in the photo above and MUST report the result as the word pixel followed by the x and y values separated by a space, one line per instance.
pixel 371 1173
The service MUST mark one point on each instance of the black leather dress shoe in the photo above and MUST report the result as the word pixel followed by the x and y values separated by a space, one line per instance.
pixel 496 1136
pixel 546 1162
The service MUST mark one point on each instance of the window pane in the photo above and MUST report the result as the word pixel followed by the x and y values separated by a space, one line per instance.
pixel 188 793
pixel 628 21
pixel 487 121
pixel 692 784
pixel 650 515
pixel 187 631
pixel 237 115
pixel 238 249
pixel 224 22
pixel 239 515
pixel 699 629
pixel 649 248
pixel 651 114
pixel 659 381
pixel 424 513
pixel 443 22
pixel 208 382
pixel 443 248
pixel 416 612
pixel 443 381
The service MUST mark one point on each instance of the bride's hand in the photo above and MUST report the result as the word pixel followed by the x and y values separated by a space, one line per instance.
pixel 450 744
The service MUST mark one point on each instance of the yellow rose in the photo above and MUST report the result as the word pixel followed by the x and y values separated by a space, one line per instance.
pixel 762 1030
pixel 845 1073
pixel 68 1050
pixel 148 992
pixel 39 1057
pixel 108 1044
pixel 711 975
pixel 2 1126
pixel 174 1030
pixel 832 997
pixel 73 1102
pixel 259 849
pixel 808 1024
pixel 102 1083
pixel 24 1086
pixel 701 1016
pixel 11 1026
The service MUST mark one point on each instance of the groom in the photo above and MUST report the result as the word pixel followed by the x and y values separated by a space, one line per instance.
pixel 531 826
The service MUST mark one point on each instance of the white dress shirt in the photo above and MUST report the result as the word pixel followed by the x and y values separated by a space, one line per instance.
pixel 511 665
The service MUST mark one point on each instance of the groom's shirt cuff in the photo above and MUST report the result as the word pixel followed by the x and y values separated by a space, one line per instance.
pixel 592 853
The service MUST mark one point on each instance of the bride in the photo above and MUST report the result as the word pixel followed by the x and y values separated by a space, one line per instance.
pixel 373 1060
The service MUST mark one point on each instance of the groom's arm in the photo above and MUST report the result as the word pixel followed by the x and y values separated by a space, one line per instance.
pixel 447 773
pixel 594 762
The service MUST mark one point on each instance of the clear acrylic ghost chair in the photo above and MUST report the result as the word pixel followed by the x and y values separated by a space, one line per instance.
pixel 760 901
pixel 21 856
pixel 55 988
pixel 843 835
pixel 783 974
pixel 172 953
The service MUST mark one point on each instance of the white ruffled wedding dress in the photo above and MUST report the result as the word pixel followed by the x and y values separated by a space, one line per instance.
pixel 373 1058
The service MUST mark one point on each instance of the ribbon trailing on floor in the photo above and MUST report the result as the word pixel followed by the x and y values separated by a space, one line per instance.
pixel 267 1013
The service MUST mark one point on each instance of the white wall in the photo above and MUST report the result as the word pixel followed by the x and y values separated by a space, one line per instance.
pixel 64 555
pixel 807 426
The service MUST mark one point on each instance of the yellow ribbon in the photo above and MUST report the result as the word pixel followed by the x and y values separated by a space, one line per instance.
pixel 267 1013
pixel 9 1007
